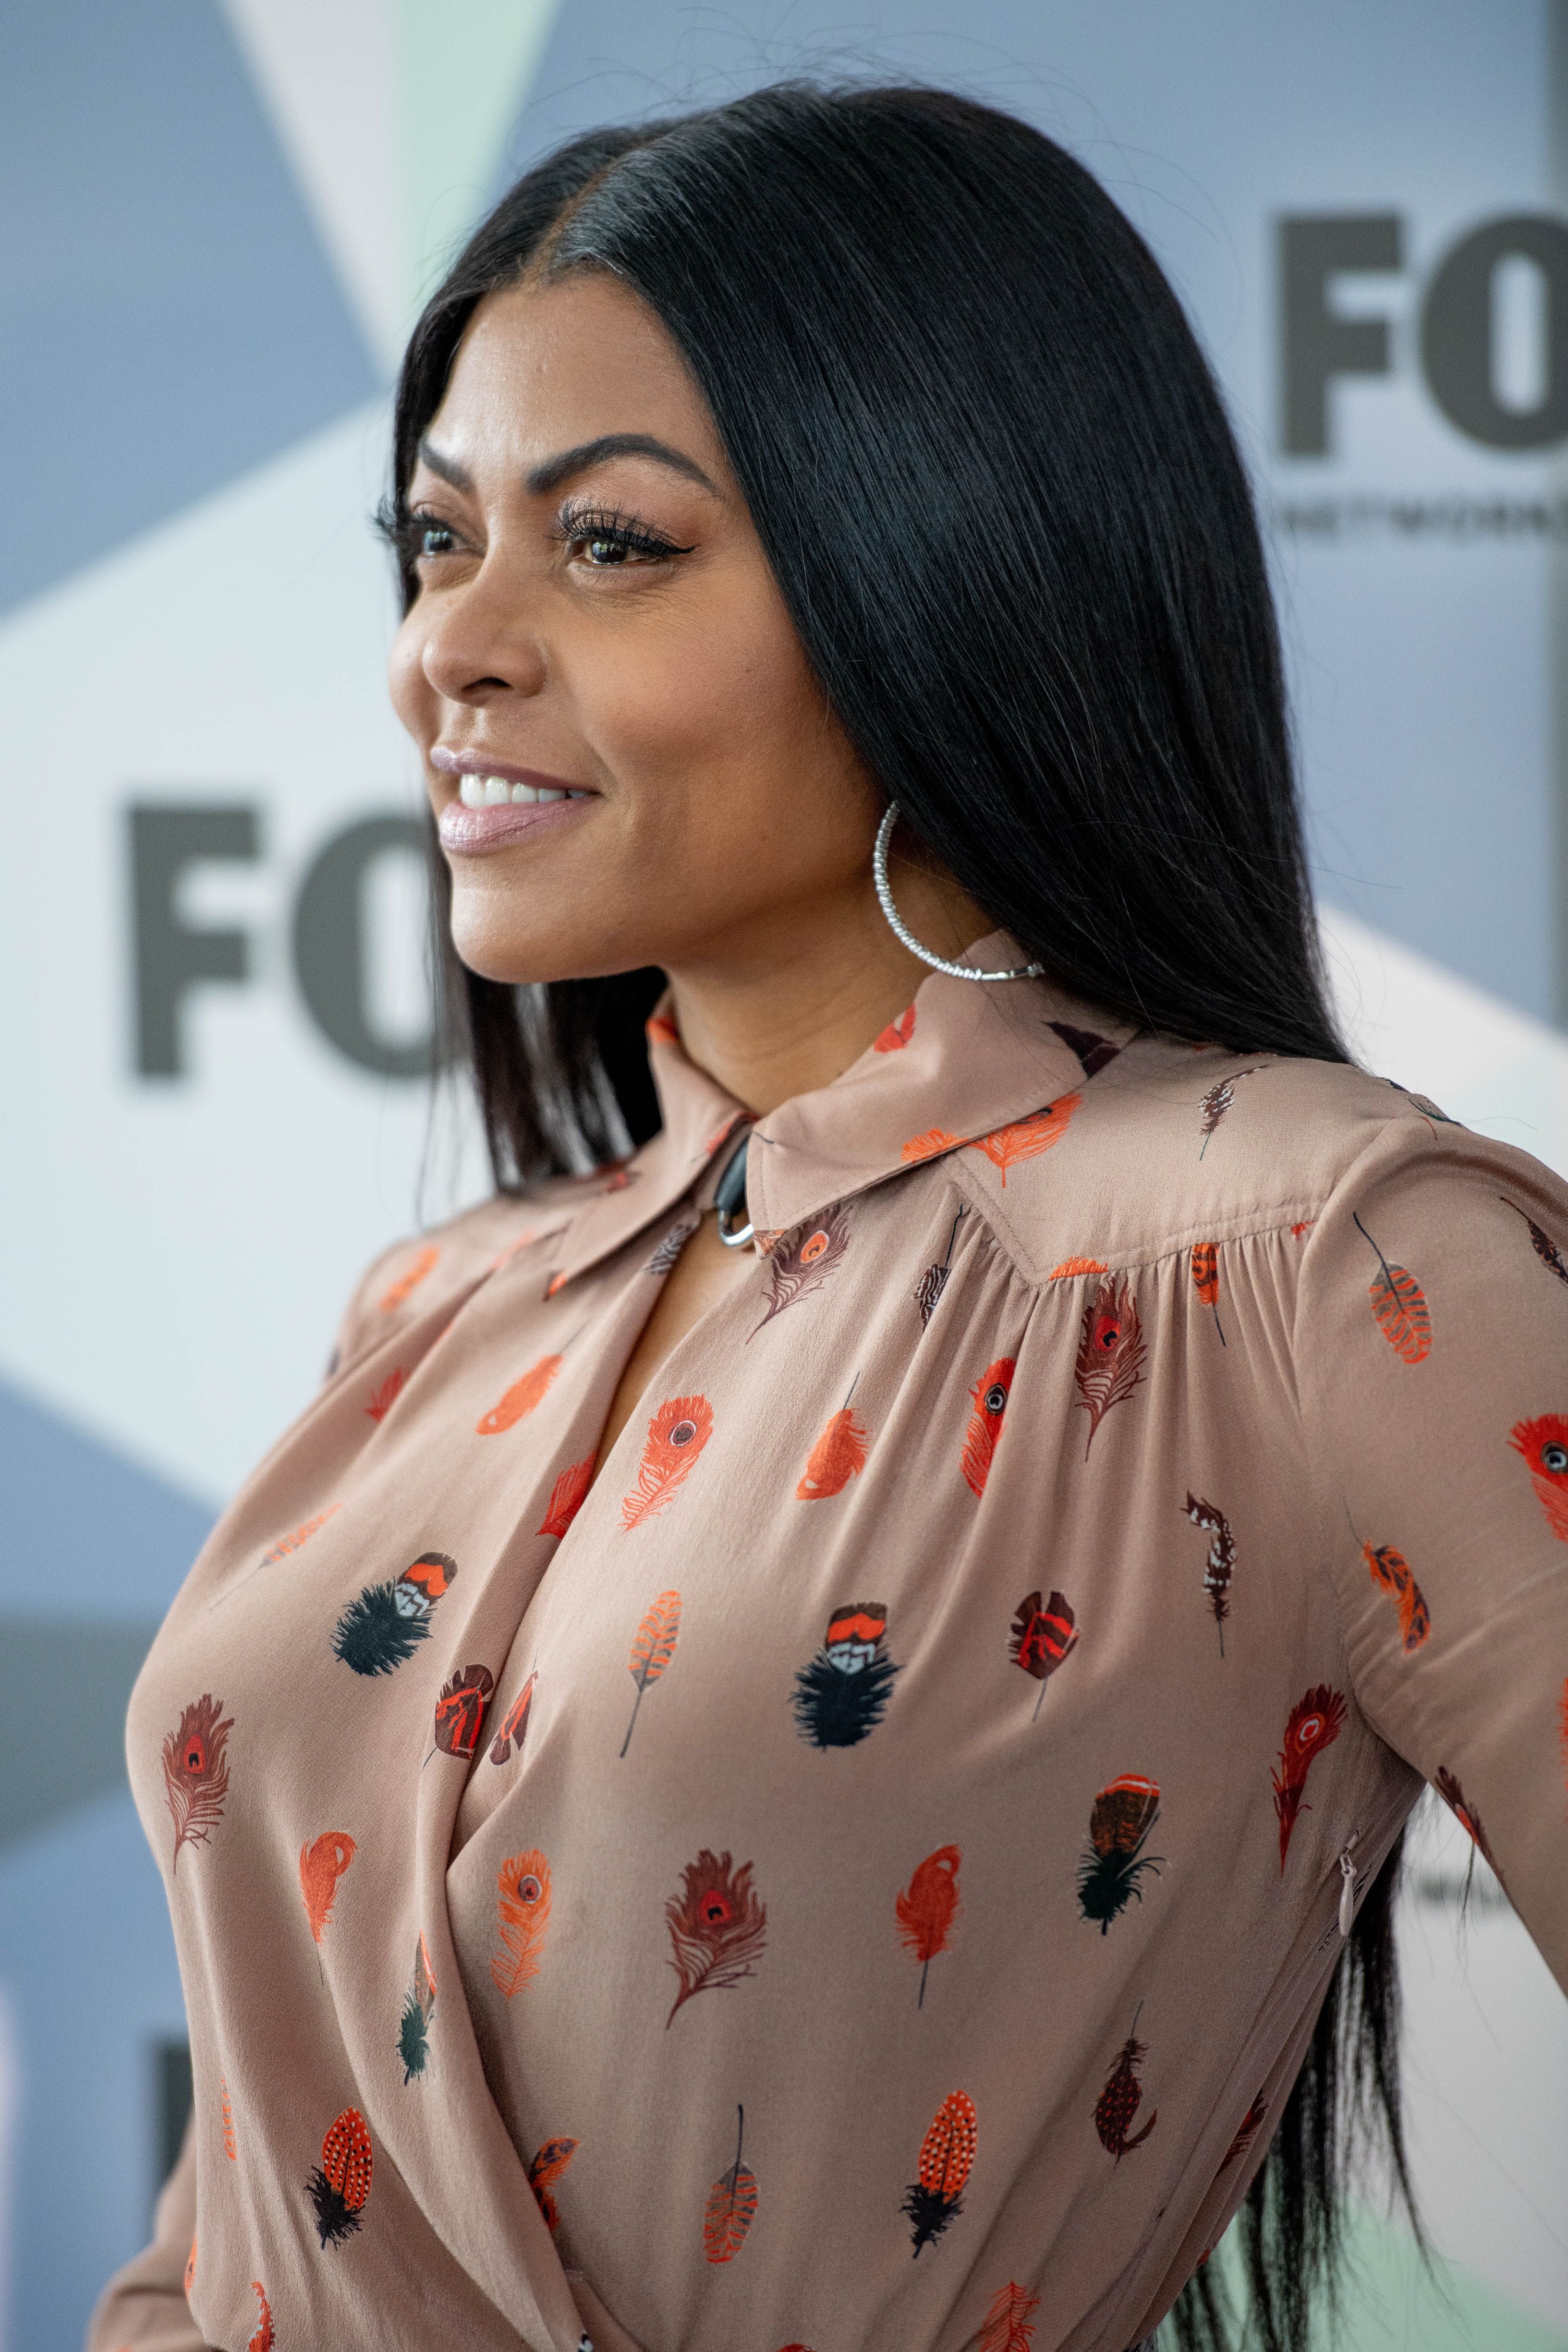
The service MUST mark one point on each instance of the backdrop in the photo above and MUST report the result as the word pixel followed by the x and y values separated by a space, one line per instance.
pixel 217 222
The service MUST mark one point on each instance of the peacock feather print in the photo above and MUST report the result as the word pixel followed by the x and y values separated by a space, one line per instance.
pixel 1043 1634
pixel 653 1646
pixel 1110 1353
pixel 1119 1825
pixel 842 1695
pixel 1400 1305
pixel 414 2026
pixel 935 2198
pixel 381 1630
pixel 1121 2097
pixel 989 1401
pixel 676 1436
pixel 803 1263
pixel 1220 1565
pixel 1315 1723
pixel 1544 1445
pixel 732 2205
pixel 927 1909
pixel 546 2167
pixel 338 2189
pixel 718 1928
pixel 195 1772
pixel 522 1916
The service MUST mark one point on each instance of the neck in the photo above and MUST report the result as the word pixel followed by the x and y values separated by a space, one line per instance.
pixel 789 1009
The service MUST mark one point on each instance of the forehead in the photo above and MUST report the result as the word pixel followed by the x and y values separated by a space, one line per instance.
pixel 543 367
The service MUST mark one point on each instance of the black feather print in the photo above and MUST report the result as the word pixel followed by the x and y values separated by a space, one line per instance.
pixel 1545 1248
pixel 933 1281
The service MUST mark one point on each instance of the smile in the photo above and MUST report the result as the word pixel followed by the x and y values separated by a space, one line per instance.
pixel 496 791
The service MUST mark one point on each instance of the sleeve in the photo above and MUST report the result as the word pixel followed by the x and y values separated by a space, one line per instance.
pixel 143 2307
pixel 1431 1349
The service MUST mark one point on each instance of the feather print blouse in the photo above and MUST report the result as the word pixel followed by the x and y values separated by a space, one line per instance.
pixel 856 1869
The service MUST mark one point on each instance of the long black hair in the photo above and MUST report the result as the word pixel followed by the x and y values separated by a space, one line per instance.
pixel 990 469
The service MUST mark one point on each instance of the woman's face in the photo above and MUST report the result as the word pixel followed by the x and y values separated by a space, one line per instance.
pixel 596 625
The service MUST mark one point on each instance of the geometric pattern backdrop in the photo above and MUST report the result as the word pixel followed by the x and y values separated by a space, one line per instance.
pixel 218 221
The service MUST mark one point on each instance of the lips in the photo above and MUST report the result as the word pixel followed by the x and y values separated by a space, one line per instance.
pixel 470 832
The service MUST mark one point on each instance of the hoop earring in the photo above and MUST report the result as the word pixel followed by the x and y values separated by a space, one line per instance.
pixel 901 931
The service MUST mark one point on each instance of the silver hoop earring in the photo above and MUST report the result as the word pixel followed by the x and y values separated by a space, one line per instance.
pixel 901 931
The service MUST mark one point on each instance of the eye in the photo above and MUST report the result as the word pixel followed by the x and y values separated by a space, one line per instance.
pixel 606 540
pixel 1555 1458
pixel 996 1397
pixel 683 1433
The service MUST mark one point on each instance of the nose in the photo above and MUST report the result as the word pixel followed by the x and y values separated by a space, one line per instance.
pixel 481 644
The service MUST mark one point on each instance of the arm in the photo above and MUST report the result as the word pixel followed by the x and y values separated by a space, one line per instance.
pixel 1432 1361
pixel 143 2307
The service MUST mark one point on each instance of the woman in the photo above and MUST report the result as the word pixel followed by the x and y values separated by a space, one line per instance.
pixel 787 1754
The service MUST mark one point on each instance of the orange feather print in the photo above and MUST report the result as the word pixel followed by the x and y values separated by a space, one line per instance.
pixel 514 1724
pixel 1391 1569
pixel 1544 1443
pixel 732 2205
pixel 927 1909
pixel 322 1864
pixel 286 1544
pixel 567 1495
pixel 653 1646
pixel 1010 2321
pixel 1025 1138
pixel 264 2339
pixel 522 1885
pixel 1110 1353
pixel 1206 1280
pixel 191 2270
pixel 382 1398
pixel 929 1146
pixel 195 1773
pixel 408 1281
pixel 989 1396
pixel 834 1460
pixel 676 1436
pixel 520 1398
pixel 896 1033
pixel 544 2169
pixel 226 2119
pixel 661 1029
pixel 1400 1305
pixel 947 2155
pixel 1076 1266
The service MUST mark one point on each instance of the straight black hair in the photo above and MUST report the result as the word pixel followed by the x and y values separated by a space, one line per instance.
pixel 997 487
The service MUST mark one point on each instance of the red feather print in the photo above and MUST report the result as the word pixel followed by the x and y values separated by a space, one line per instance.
pixel 947 2153
pixel 195 1775
pixel 1251 2123
pixel 1010 2321
pixel 1545 1248
pixel 514 1724
pixel 1206 1280
pixel 460 1710
pixel 661 1029
pixel 1400 1305
pixel 340 2186
pixel 927 1909
pixel 544 2169
pixel 1121 2097
pixel 286 1544
pixel 264 2339
pixel 567 1495
pixel 408 1281
pixel 732 2205
pixel 1092 1050
pixel 933 1281
pixel 676 1436
pixel 718 1928
pixel 1459 1805
pixel 989 1397
pixel 896 1033
pixel 1076 1266
pixel 929 1146
pixel 840 1452
pixel 1544 1443
pixel 522 1885
pixel 1110 1353
pixel 796 1271
pixel 382 1398
pixel 556 1283
pixel 1041 1638
pixel 1315 1723
pixel 520 1398
pixel 1391 1569
pixel 652 1650
pixel 1218 1101
pixel 1025 1138
pixel 1220 1566
pixel 323 1863
pixel 226 2119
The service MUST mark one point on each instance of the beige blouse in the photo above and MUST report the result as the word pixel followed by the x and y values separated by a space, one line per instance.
pixel 862 1877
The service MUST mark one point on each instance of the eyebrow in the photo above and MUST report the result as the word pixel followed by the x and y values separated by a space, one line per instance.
pixel 558 470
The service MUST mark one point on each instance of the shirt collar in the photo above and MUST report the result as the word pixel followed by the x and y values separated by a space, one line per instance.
pixel 965 1061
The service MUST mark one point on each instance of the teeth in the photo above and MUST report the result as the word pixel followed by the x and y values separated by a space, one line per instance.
pixel 471 792
pixel 498 792
pixel 552 793
pixel 525 793
pixel 494 792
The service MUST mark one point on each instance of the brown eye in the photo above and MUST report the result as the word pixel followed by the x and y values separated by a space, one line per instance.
pixel 436 538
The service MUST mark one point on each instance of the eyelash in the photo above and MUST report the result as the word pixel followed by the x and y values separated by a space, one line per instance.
pixel 575 526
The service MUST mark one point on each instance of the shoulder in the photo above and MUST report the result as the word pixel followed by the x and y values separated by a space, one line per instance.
pixel 1170 1146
